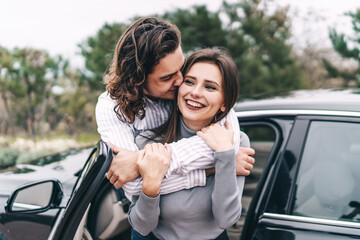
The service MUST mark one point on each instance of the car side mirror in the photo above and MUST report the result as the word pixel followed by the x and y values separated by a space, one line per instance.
pixel 35 197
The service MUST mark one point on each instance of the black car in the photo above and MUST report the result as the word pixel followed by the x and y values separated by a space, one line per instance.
pixel 306 179
pixel 76 201
pixel 305 183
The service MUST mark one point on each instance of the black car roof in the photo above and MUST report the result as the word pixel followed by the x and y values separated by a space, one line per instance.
pixel 323 99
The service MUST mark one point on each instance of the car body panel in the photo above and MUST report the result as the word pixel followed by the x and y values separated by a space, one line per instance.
pixel 39 225
pixel 275 193
pixel 89 183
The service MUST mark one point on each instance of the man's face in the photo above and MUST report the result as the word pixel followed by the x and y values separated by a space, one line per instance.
pixel 166 76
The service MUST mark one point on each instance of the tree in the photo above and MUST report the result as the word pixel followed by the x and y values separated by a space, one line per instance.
pixel 76 104
pixel 348 48
pixel 6 67
pixel 98 52
pixel 199 27
pixel 256 39
pixel 260 43
pixel 30 76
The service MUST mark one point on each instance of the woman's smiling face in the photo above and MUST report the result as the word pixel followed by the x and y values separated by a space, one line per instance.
pixel 201 96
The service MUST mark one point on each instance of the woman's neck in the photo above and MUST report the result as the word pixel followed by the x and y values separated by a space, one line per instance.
pixel 194 125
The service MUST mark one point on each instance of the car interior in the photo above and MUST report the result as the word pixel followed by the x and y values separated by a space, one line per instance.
pixel 327 180
pixel 106 216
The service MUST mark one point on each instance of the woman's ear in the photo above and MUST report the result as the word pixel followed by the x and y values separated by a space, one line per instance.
pixel 223 108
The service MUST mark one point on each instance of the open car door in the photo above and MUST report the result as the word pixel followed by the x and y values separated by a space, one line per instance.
pixel 88 184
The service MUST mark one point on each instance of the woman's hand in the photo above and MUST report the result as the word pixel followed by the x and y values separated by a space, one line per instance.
pixel 153 163
pixel 218 138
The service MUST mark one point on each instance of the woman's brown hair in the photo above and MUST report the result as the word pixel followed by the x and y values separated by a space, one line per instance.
pixel 230 87
pixel 137 52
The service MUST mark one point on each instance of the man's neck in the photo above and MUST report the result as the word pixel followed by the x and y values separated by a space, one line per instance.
pixel 151 97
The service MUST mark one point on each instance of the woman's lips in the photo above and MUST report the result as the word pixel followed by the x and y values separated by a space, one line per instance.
pixel 193 105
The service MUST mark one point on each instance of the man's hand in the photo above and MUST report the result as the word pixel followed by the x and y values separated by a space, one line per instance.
pixel 244 161
pixel 123 167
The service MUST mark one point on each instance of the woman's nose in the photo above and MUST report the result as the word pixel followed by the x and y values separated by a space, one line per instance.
pixel 196 91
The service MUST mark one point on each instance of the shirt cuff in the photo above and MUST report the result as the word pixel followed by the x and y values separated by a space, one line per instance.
pixel 196 178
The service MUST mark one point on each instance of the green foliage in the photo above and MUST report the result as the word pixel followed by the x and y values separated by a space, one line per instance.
pixel 341 46
pixel 98 52
pixel 199 27
pixel 256 39
pixel 27 79
pixel 266 64
pixel 32 81
pixel 348 48
pixel 29 156
pixel 8 158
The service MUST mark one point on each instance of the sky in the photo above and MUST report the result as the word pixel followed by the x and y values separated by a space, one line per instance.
pixel 58 26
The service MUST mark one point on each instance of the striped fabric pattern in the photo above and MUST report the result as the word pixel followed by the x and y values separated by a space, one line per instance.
pixel 190 156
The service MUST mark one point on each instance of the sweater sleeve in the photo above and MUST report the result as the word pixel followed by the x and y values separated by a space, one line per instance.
pixel 226 196
pixel 144 213
pixel 228 187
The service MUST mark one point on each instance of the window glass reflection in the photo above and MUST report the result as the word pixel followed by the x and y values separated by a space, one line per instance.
pixel 33 197
pixel 328 183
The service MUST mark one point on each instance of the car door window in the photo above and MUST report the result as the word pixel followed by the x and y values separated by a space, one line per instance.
pixel 262 139
pixel 328 182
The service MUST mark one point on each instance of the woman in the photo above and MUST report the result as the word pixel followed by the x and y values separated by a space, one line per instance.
pixel 207 94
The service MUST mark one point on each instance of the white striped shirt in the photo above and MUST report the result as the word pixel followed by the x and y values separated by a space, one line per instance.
pixel 190 156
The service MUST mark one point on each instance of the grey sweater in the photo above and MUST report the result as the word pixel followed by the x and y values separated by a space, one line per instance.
pixel 197 213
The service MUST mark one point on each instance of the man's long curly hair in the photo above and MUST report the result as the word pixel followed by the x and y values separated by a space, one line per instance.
pixel 137 52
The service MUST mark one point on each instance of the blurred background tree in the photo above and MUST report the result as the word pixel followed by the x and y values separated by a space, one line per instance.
pixel 6 68
pixel 255 37
pixel 348 48
pixel 98 52
pixel 199 27
pixel 27 79
pixel 258 42
pixel 41 94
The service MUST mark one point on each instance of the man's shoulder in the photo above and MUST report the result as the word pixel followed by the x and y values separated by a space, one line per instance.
pixel 105 96
pixel 105 102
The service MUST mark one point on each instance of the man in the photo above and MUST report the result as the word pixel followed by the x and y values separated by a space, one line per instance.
pixel 141 85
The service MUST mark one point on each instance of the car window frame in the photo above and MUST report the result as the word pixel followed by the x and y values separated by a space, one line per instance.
pixel 310 120
pixel 90 179
pixel 286 219
pixel 256 206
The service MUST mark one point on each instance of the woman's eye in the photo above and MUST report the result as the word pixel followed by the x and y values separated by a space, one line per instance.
pixel 210 87
pixel 187 81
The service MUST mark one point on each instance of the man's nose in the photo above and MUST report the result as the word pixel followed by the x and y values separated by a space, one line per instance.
pixel 179 79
